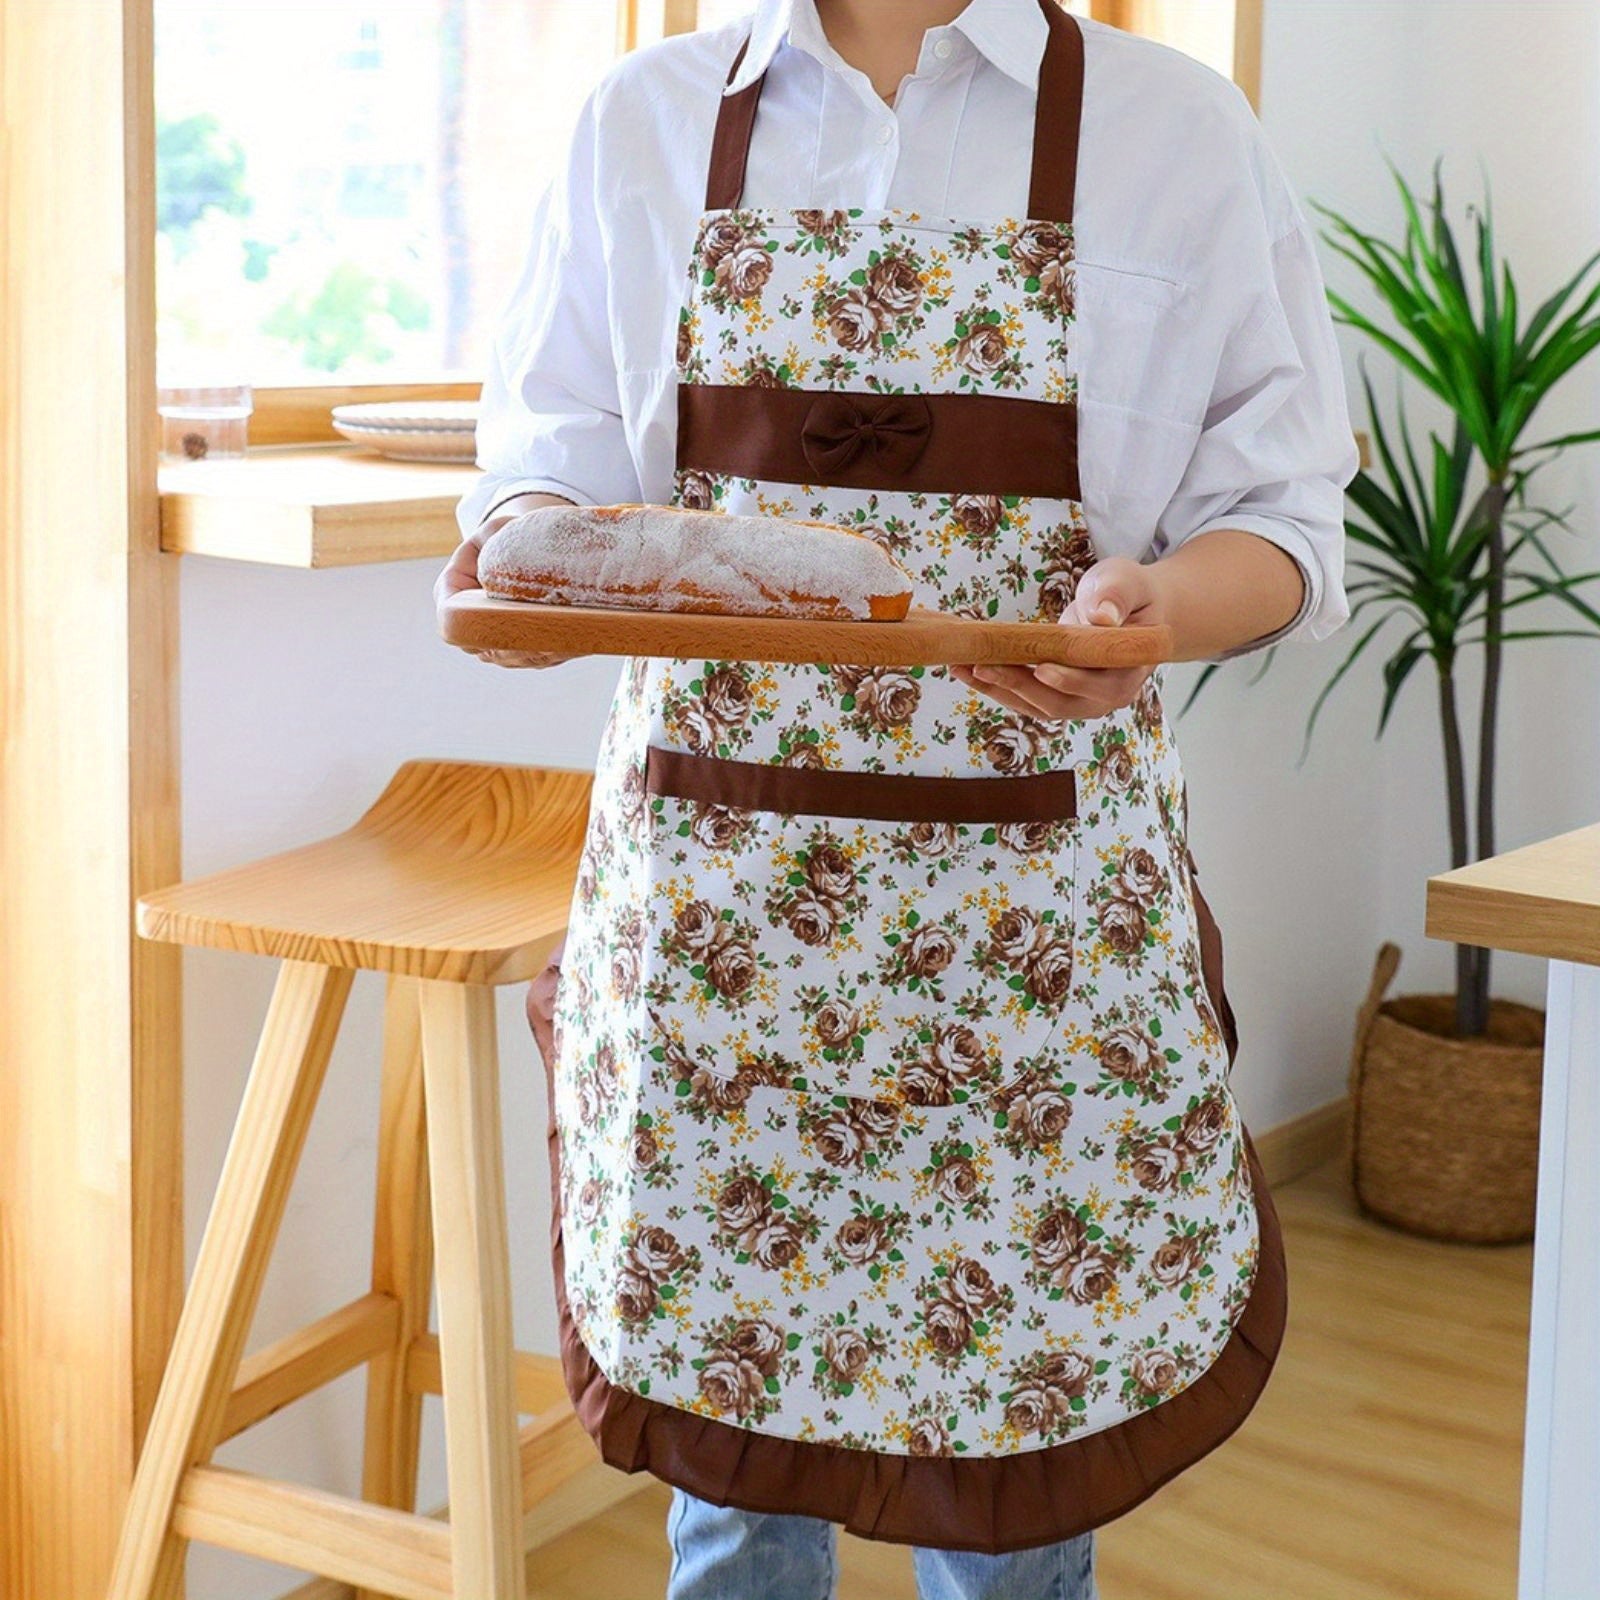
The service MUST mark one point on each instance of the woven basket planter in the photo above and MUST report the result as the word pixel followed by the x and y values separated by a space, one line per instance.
pixel 1445 1130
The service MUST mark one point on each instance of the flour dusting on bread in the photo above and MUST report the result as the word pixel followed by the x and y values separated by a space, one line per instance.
pixel 664 558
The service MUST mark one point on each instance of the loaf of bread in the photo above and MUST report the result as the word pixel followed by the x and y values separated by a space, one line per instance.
pixel 663 558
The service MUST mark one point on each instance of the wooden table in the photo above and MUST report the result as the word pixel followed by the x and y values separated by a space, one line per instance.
pixel 1545 900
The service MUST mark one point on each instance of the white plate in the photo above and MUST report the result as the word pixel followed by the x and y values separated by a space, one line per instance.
pixel 413 430
pixel 413 444
pixel 436 415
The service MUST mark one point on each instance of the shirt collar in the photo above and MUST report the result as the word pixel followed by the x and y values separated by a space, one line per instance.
pixel 1009 33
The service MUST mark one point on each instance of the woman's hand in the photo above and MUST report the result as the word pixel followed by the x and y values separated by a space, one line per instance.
pixel 462 573
pixel 1112 592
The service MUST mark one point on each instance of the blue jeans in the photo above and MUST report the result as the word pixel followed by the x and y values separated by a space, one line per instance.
pixel 719 1553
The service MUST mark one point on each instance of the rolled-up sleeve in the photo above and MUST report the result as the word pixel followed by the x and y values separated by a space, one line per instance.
pixel 1276 448
pixel 550 417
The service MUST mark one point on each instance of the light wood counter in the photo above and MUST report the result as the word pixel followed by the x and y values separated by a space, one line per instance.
pixel 335 505
pixel 1544 899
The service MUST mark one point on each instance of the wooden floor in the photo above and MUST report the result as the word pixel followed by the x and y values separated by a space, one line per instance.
pixel 1382 1463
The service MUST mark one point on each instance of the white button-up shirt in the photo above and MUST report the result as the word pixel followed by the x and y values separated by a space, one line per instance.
pixel 1210 389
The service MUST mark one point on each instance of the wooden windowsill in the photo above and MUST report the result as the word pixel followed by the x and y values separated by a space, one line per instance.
pixel 312 506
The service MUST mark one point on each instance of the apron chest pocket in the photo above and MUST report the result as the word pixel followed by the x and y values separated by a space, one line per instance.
pixel 857 934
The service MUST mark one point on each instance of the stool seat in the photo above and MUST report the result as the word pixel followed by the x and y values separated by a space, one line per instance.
pixel 460 870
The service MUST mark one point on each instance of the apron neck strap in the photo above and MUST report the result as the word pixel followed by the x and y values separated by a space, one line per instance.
pixel 730 146
pixel 1056 126
pixel 1058 120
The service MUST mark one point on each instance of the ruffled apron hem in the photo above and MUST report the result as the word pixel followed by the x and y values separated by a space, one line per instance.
pixel 990 1504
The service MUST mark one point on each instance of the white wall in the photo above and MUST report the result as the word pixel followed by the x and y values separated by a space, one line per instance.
pixel 304 690
pixel 1508 90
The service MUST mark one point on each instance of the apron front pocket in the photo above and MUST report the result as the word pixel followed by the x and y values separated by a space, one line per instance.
pixel 849 935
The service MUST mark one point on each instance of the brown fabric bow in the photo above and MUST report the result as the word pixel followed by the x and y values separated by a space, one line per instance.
pixel 839 427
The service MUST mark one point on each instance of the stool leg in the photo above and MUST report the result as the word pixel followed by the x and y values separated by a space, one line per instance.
pixel 290 1063
pixel 402 1255
pixel 461 1070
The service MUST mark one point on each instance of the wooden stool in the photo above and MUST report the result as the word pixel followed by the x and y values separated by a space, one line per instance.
pixel 458 879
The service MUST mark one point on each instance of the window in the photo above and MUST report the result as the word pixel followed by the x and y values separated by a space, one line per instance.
pixel 344 186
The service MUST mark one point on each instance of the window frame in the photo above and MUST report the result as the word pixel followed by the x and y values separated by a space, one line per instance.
pixel 303 413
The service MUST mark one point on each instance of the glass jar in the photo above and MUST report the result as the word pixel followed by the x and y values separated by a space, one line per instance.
pixel 206 423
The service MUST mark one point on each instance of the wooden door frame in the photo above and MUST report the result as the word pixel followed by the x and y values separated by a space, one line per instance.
pixel 90 1016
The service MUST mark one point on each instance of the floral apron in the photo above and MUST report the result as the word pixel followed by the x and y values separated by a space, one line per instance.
pixel 896 1175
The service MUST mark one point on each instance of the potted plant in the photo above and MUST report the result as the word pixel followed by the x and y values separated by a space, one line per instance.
pixel 1445 1087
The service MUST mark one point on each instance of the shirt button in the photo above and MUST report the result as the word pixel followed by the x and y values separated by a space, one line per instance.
pixel 944 49
pixel 885 134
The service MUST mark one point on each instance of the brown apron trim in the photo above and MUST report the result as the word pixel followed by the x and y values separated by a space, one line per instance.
pixel 974 444
pixel 730 145
pixel 1211 964
pixel 992 1504
pixel 1056 125
pixel 873 796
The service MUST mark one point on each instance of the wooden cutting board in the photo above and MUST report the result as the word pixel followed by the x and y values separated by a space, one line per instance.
pixel 474 620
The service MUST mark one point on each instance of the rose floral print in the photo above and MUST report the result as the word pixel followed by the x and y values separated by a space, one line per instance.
pixel 906 1136
pixel 930 1119
pixel 851 301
